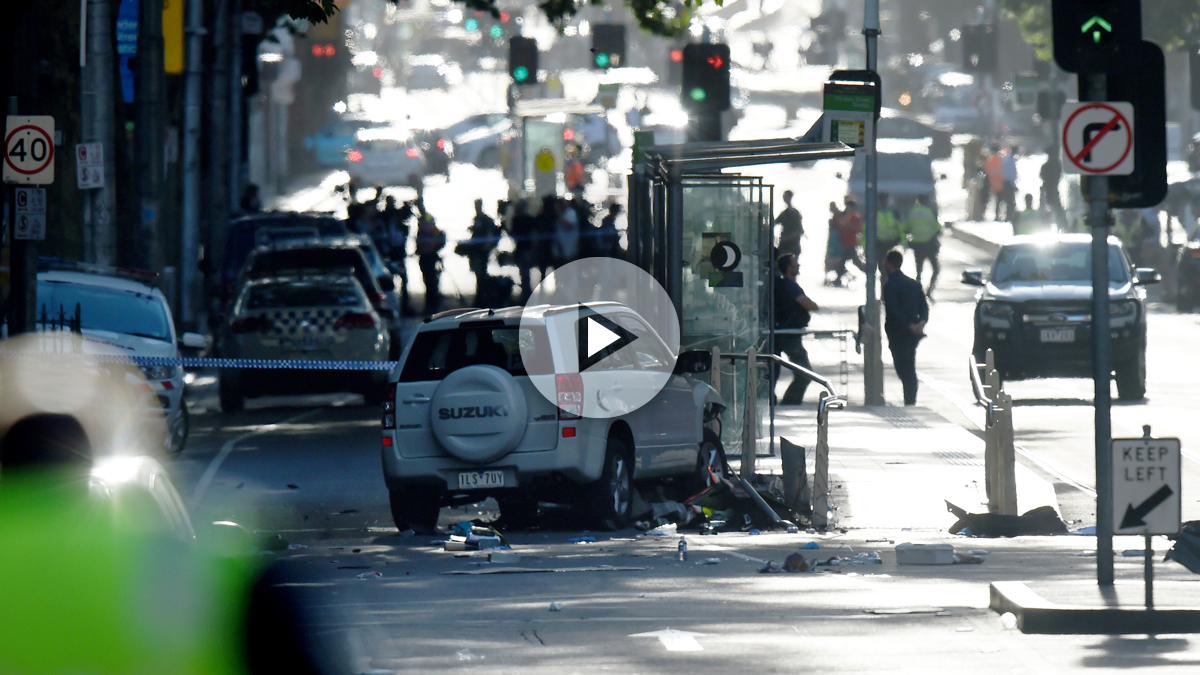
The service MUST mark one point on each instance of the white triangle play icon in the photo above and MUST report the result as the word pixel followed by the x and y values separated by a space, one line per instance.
pixel 598 337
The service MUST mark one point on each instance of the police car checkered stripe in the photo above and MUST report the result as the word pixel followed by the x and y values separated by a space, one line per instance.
pixel 288 321
pixel 195 362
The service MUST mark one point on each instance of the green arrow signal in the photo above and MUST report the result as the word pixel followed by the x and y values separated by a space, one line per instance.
pixel 1096 23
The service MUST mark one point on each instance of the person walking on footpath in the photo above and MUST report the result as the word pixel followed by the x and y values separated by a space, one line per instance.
pixel 524 229
pixel 907 313
pixel 850 229
pixel 608 239
pixel 793 309
pixel 395 220
pixel 993 167
pixel 889 232
pixel 924 232
pixel 485 236
pixel 1009 168
pixel 1051 175
pixel 791 226
pixel 430 241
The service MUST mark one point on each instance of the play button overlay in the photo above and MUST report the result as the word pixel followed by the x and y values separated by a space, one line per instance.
pixel 598 337
pixel 614 335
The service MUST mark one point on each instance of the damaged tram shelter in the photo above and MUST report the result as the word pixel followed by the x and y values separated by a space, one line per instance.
pixel 707 237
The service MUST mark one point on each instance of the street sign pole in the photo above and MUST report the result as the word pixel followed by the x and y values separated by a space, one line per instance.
pixel 1098 222
pixel 873 353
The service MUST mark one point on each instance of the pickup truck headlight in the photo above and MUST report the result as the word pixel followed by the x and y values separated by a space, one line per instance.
pixel 159 372
pixel 996 310
pixel 1123 309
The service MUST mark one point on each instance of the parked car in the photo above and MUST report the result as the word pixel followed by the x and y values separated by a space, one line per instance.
pixel 903 176
pixel 1034 310
pixel 431 71
pixel 895 124
pixel 386 156
pixel 122 310
pixel 330 143
pixel 341 254
pixel 324 317
pixel 437 148
pixel 435 455
pixel 480 139
pixel 244 233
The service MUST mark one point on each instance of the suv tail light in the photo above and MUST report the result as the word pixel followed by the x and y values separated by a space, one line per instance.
pixel 355 320
pixel 412 153
pixel 570 396
pixel 251 324
pixel 389 413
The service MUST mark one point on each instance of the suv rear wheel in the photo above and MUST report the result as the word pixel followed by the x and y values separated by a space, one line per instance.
pixel 609 501
pixel 415 507
pixel 1131 378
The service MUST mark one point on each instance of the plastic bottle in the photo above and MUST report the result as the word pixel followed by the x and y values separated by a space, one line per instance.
pixel 682 548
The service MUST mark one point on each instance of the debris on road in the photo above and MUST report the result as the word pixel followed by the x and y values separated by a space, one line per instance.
pixel 924 554
pixel 499 557
pixel 1040 521
pixel 556 606
pixel 370 575
pixel 582 540
pixel 1008 620
pixel 710 561
pixel 543 570
pixel 1186 550
pixel 466 655
pixel 810 545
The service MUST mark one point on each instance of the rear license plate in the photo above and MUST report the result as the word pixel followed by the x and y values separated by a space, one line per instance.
pixel 1058 335
pixel 470 480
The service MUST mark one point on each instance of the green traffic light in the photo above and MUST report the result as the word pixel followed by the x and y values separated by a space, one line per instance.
pixel 520 73
pixel 496 31
pixel 698 94
pixel 471 25
pixel 602 60
pixel 1094 24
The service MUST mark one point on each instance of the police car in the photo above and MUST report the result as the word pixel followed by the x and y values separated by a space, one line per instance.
pixel 121 312
pixel 303 317
pixel 466 417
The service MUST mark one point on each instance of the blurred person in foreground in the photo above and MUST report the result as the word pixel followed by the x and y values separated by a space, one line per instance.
pixel 907 313
pixel 793 309
pixel 103 573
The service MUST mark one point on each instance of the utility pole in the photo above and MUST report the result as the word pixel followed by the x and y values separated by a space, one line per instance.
pixel 148 131
pixel 189 289
pixel 99 232
pixel 237 104
pixel 873 356
pixel 216 175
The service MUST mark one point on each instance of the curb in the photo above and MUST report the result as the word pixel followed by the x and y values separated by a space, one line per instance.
pixel 1036 615
pixel 975 240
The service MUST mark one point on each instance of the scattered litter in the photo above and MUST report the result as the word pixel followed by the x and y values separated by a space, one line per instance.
pixel 582 540
pixel 641 595
pixel 542 570
pixel 498 557
pixel 965 559
pixel 1135 553
pixel 345 511
pixel 964 629
pixel 864 559
pixel 924 554
pixel 909 610
pixel 1087 531
pixel 354 567
pixel 296 547
pixel 1008 620
pixel 555 606
pixel 811 530
pixel 1041 520
pixel 879 541
pixel 663 530
pixel 466 655
pixel 797 563
pixel 966 532
pixel 754 530
pixel 370 575
pixel 770 568
pixel 240 485
pixel 293 486
pixel 356 550
pixel 810 545
pixel 977 551
pixel 1086 554
pixel 710 561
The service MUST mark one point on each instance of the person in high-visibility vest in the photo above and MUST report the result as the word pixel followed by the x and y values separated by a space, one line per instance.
pixel 889 232
pixel 1029 221
pixel 924 232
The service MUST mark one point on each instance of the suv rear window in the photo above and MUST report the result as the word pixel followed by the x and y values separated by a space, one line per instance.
pixel 308 293
pixel 436 354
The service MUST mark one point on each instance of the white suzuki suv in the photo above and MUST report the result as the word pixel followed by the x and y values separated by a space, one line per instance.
pixel 464 419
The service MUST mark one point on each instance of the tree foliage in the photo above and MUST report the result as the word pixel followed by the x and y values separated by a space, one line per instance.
pixel 656 16
pixel 1170 23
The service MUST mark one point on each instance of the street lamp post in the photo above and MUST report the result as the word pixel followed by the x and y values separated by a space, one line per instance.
pixel 873 356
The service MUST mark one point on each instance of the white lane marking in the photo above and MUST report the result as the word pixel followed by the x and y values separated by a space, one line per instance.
pixel 675 640
pixel 971 412
pixel 215 465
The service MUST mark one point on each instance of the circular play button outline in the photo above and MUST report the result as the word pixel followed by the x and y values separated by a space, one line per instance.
pixel 616 346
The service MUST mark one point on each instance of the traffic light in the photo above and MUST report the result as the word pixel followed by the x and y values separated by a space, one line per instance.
pixel 523 59
pixel 1090 35
pixel 608 45
pixel 980 48
pixel 705 77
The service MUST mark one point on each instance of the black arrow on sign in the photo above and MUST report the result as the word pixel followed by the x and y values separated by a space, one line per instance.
pixel 1133 516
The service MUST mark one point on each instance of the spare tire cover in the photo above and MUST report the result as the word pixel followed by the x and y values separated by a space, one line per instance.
pixel 478 413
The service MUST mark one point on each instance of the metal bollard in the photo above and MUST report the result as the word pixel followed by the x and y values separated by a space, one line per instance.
pixel 750 419
pixel 820 515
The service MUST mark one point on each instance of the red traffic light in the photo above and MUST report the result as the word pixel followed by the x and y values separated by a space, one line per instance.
pixel 504 17
pixel 318 51
pixel 715 62
pixel 676 55
pixel 568 134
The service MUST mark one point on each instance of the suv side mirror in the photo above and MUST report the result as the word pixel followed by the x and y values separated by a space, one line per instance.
pixel 193 341
pixel 1146 276
pixel 693 361
pixel 972 277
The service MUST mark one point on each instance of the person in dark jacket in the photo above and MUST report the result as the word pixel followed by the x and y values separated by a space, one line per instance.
pixel 793 309
pixel 907 313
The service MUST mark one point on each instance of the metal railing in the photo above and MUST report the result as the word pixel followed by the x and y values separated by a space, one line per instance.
pixel 999 454
pixel 843 336
pixel 829 400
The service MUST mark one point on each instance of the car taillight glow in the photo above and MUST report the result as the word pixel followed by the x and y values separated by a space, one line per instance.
pixel 568 134
pixel 377 72
pixel 250 324
pixel 355 320
pixel 570 396
pixel 387 442
pixel 441 144
pixel 412 153
pixel 354 156
pixel 568 432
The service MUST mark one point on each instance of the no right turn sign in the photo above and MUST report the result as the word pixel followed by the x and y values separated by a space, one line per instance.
pixel 1097 138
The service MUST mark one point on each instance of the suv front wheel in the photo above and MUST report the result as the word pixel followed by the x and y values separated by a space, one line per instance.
pixel 1131 378
pixel 609 501
pixel 416 507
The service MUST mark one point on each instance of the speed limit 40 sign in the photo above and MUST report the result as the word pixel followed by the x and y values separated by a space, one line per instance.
pixel 29 150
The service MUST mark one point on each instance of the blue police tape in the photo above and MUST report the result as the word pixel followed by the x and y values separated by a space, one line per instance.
pixel 198 362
